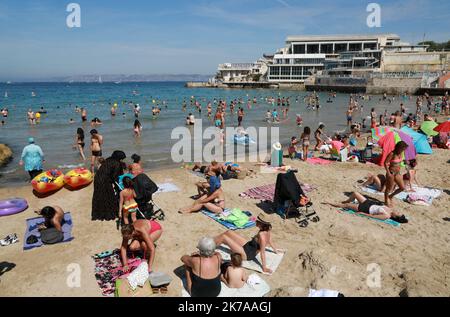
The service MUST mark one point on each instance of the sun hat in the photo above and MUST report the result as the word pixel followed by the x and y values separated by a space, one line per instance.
pixel 207 247
pixel 262 218
pixel 277 146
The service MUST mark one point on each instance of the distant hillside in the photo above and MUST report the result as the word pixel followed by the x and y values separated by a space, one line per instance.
pixel 133 78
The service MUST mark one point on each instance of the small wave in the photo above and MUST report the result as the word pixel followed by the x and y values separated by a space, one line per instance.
pixel 158 160
pixel 69 166
pixel 8 172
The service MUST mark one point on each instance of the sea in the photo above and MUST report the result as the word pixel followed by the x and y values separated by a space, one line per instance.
pixel 56 135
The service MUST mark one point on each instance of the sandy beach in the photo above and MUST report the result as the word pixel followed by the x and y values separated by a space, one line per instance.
pixel 332 254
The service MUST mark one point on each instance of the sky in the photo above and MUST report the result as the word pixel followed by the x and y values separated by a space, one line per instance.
pixel 186 36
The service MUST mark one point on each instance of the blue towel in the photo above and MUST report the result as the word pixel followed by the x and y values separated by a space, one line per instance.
pixel 32 229
pixel 226 224
pixel 389 221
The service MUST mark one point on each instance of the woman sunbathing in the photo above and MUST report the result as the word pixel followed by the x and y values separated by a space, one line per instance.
pixel 369 208
pixel 250 249
pixel 53 216
pixel 214 202
pixel 143 235
pixel 377 182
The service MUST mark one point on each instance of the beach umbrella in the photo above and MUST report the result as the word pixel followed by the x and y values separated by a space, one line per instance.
pixel 443 128
pixel 389 141
pixel 428 128
pixel 379 132
pixel 420 141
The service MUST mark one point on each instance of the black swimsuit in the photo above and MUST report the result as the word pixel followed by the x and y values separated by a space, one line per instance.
pixel 206 288
pixel 251 249
pixel 365 206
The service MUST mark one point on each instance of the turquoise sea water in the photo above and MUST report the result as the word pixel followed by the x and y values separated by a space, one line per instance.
pixel 56 136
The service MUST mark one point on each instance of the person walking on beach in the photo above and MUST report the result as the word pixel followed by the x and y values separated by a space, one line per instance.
pixel 32 158
pixel 393 172
pixel 137 111
pixel 96 148
pixel 318 136
pixel 79 143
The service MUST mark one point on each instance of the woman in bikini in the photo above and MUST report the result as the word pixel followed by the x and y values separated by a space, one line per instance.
pixel 128 204
pixel 137 129
pixel 96 148
pixel 143 234
pixel 250 249
pixel 393 172
pixel 306 142
pixel 369 208
pixel 318 136
pixel 79 143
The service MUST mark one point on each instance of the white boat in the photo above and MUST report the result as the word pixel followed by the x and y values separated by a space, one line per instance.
pixel 6 94
pixel 100 81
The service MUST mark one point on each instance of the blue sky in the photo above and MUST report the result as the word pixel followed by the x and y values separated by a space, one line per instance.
pixel 182 36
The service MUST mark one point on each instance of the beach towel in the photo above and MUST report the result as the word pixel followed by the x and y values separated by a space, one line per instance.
pixel 388 222
pixel 319 161
pixel 427 195
pixel 108 268
pixel 323 293
pixel 258 289
pixel 230 226
pixel 267 192
pixel 32 229
pixel 167 188
pixel 273 260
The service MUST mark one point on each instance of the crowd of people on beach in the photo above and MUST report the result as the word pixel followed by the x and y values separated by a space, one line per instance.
pixel 123 193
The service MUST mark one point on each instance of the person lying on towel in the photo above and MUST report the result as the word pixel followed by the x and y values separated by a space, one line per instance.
pixel 53 216
pixel 369 208
pixel 250 249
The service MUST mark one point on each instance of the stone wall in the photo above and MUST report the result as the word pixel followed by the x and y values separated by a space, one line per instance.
pixel 416 62
pixel 394 85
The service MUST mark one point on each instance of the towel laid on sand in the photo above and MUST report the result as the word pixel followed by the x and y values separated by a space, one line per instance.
pixel 273 260
pixel 109 268
pixel 256 290
pixel 226 224
pixel 32 229
pixel 429 194
pixel 267 192
pixel 388 222
pixel 318 161
pixel 167 188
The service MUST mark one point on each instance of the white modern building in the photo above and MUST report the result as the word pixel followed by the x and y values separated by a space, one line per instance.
pixel 242 72
pixel 304 56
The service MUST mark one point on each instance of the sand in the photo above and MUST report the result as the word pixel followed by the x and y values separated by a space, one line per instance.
pixel 332 254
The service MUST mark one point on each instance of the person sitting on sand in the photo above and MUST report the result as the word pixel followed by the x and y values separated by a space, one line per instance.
pixel 128 204
pixel 214 201
pixel 234 275
pixel 143 235
pixel 377 182
pixel 250 249
pixel 53 216
pixel 292 150
pixel 215 169
pixel 369 208
pixel 136 169
pixel 203 272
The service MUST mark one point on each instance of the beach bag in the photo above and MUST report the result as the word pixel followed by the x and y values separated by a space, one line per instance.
pixel 51 236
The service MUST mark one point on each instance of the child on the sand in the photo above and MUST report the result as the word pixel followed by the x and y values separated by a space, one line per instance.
pixel 128 203
pixel 235 276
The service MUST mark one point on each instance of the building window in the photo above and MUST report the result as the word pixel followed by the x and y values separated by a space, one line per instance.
pixel 296 71
pixel 339 48
pixel 286 71
pixel 313 49
pixel 370 46
pixel 355 47
pixel 275 71
pixel 299 48
pixel 326 49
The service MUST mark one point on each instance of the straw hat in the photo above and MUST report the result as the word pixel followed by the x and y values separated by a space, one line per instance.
pixel 277 146
pixel 263 219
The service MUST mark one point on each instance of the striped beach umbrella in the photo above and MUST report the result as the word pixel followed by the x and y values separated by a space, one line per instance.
pixel 379 132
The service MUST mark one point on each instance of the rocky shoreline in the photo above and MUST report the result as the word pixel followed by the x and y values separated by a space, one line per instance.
pixel 5 155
